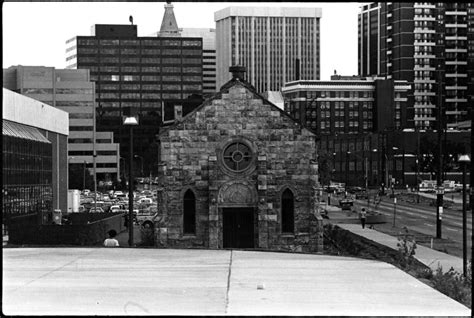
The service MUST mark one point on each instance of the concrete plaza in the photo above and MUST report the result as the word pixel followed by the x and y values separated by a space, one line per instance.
pixel 126 281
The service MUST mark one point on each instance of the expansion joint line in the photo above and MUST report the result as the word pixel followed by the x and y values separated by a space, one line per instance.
pixel 228 283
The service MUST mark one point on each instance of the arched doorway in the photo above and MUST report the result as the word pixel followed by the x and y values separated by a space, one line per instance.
pixel 237 203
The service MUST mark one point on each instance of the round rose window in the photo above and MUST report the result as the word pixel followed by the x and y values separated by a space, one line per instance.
pixel 237 156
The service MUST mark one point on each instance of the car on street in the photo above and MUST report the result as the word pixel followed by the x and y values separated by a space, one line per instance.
pixel 354 190
pixel 346 204
pixel 361 195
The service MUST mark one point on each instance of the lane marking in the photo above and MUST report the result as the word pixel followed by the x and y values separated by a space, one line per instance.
pixel 428 224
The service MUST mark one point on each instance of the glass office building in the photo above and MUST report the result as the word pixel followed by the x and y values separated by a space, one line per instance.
pixel 27 171
pixel 34 166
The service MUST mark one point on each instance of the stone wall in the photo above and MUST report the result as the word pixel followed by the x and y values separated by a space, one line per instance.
pixel 283 156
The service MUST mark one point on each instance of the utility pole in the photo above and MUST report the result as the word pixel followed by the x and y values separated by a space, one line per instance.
pixel 439 181
pixel 417 165
pixel 366 164
pixel 394 207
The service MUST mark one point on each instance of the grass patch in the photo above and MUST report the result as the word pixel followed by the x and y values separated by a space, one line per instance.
pixel 338 241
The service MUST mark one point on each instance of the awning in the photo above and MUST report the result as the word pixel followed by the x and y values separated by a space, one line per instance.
pixel 17 130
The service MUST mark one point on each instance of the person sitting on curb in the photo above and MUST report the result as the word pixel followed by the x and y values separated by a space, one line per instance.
pixel 111 241
pixel 363 215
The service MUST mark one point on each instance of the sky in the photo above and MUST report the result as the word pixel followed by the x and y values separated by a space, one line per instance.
pixel 34 33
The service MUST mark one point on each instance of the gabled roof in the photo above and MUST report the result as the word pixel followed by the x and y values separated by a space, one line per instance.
pixel 225 89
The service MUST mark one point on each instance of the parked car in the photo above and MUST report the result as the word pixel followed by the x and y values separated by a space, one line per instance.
pixel 145 201
pixel 147 218
pixel 115 209
pixel 96 210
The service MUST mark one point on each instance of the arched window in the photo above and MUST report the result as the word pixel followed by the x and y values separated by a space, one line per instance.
pixel 189 213
pixel 287 212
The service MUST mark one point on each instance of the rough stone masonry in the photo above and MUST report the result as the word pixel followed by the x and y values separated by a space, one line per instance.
pixel 250 171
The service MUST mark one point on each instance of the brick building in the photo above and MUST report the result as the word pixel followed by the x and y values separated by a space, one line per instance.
pixel 238 172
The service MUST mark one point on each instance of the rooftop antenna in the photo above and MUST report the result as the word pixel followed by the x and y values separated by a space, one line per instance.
pixel 131 19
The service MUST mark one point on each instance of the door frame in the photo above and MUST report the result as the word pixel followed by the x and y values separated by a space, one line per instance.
pixel 254 223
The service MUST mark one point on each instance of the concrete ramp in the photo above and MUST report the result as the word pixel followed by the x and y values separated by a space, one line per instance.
pixel 123 281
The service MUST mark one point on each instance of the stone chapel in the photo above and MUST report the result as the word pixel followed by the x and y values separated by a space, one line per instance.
pixel 238 172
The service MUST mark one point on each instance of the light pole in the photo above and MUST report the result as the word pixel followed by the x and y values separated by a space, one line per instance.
pixel 394 163
pixel 347 171
pixel 84 175
pixel 439 177
pixel 141 161
pixel 464 160
pixel 122 167
pixel 331 176
pixel 68 168
pixel 130 121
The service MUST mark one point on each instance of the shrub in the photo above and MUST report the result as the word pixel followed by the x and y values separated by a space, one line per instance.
pixel 454 284
pixel 424 273
pixel 406 249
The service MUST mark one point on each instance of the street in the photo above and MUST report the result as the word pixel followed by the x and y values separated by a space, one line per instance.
pixel 421 218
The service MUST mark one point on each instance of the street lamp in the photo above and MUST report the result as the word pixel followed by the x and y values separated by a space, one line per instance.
pixel 122 167
pixel 130 121
pixel 84 175
pixel 394 164
pixel 68 168
pixel 464 160
pixel 347 171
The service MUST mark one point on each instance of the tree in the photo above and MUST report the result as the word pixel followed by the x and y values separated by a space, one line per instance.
pixel 429 160
pixel 325 168
pixel 76 177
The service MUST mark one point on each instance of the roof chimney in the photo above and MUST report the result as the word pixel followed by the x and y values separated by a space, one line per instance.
pixel 237 71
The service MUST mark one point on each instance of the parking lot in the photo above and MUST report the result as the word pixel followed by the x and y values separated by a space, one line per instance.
pixel 144 204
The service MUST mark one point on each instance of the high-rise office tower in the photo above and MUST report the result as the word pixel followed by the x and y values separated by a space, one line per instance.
pixel 208 57
pixel 425 44
pixel 470 55
pixel 169 27
pixel 276 45
pixel 208 36
pixel 71 91
pixel 148 76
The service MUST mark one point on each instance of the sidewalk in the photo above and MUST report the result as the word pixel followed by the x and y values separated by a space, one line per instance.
pixel 425 255
pixel 432 258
